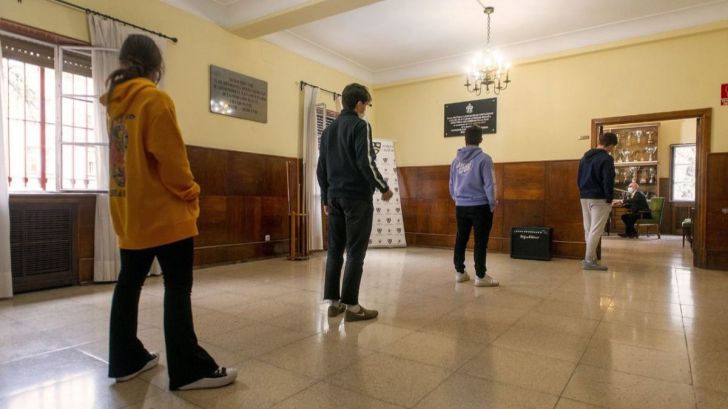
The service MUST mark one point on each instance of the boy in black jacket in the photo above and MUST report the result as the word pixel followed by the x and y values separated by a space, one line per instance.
pixel 348 175
pixel 596 187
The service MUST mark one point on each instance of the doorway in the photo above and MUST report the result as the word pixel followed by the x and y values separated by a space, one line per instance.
pixel 702 146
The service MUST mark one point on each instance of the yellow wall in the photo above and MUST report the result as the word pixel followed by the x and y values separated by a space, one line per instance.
pixel 552 102
pixel 202 43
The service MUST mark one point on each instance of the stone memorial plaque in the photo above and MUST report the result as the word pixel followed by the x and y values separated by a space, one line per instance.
pixel 460 115
pixel 238 95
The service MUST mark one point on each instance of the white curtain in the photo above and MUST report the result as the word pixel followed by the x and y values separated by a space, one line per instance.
pixel 108 34
pixel 310 160
pixel 6 276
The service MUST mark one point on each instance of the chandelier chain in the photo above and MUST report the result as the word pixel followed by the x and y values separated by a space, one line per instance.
pixel 488 40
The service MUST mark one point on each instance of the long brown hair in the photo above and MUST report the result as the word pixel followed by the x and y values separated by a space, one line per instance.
pixel 139 57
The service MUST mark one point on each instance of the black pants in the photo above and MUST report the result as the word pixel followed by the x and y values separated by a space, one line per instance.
pixel 186 360
pixel 480 219
pixel 350 224
pixel 629 220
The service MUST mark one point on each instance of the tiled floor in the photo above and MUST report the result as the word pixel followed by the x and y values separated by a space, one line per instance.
pixel 652 332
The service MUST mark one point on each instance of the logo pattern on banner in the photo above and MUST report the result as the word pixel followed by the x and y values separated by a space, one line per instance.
pixel 388 224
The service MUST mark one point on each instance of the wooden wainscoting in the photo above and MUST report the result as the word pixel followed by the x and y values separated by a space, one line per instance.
pixel 530 194
pixel 716 226
pixel 244 198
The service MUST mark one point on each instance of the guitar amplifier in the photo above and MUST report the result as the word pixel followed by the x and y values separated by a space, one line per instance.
pixel 533 243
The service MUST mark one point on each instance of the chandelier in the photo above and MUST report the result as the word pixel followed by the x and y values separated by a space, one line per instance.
pixel 488 70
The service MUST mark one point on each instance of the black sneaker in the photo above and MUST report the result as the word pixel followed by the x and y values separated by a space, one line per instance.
pixel 335 310
pixel 362 315
pixel 151 363
pixel 221 377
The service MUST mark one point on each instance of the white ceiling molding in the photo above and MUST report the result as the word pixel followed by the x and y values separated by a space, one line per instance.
pixel 314 52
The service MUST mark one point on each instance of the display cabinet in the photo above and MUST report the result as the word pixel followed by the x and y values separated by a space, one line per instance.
pixel 635 159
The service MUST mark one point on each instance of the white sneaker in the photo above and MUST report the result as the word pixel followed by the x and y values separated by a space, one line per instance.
pixel 461 277
pixel 486 281
pixel 221 377
pixel 151 363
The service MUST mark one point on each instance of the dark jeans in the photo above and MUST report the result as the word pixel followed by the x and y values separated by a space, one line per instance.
pixel 350 224
pixel 629 220
pixel 186 360
pixel 480 219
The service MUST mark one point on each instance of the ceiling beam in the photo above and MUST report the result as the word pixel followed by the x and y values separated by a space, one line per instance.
pixel 307 12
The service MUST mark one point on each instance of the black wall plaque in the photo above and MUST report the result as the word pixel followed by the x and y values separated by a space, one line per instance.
pixel 460 115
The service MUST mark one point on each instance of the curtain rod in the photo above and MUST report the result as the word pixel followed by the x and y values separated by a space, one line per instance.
pixel 304 83
pixel 87 10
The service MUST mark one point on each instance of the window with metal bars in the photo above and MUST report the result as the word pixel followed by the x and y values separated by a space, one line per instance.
pixel 324 118
pixel 46 85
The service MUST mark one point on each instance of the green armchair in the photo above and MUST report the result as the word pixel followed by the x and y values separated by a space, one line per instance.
pixel 656 204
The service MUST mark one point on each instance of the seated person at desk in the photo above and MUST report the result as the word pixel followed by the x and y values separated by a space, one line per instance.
pixel 636 202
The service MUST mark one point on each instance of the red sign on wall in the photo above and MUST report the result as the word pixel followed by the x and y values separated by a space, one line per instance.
pixel 724 94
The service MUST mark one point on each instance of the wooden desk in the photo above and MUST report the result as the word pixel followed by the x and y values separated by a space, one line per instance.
pixel 615 218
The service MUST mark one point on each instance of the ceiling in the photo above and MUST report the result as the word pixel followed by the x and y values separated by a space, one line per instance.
pixel 382 41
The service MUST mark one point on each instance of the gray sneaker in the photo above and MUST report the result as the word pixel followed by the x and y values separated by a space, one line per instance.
pixel 362 315
pixel 593 265
pixel 461 277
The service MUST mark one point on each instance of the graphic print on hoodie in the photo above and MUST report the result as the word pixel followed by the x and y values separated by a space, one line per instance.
pixel 472 178
pixel 118 142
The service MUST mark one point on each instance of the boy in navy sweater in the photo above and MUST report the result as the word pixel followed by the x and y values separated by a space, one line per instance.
pixel 472 187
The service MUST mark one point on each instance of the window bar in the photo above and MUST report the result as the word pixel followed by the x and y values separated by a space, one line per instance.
pixel 43 178
pixel 85 132
pixel 73 138
pixel 7 98
pixel 25 125
pixel 58 67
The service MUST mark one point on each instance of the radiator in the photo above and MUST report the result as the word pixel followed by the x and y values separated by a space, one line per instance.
pixel 42 245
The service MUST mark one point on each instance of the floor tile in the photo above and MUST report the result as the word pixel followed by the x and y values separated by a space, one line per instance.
pixel 708 399
pixel 529 371
pixel 620 390
pixel 327 396
pixel 464 391
pixel 315 357
pixel 433 349
pixel 391 379
pixel 652 363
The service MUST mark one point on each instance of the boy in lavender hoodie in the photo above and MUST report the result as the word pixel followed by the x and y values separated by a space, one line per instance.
pixel 472 187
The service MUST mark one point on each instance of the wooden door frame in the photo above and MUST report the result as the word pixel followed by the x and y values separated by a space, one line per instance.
pixel 702 146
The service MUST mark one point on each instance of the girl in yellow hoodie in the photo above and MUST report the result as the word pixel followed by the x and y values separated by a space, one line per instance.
pixel 154 207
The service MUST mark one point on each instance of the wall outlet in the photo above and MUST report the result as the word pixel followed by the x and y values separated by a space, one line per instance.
pixel 267 237
pixel 583 137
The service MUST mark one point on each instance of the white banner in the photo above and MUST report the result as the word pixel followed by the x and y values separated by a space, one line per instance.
pixel 388 224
